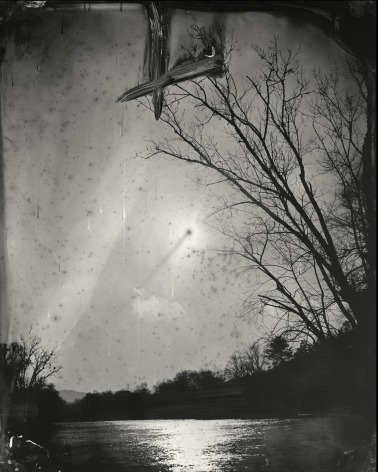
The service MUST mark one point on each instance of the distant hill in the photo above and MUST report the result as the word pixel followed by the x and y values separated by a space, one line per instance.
pixel 71 396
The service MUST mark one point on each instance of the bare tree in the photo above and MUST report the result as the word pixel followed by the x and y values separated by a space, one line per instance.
pixel 235 368
pixel 290 148
pixel 29 363
pixel 249 361
pixel 254 357
pixel 25 364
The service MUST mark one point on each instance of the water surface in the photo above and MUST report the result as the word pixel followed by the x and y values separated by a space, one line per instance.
pixel 312 444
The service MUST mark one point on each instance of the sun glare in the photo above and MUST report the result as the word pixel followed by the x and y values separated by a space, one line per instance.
pixel 190 233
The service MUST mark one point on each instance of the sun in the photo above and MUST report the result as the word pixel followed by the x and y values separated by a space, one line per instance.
pixel 189 232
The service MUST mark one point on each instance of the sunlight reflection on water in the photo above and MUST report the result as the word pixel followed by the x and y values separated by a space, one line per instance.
pixel 285 445
pixel 193 445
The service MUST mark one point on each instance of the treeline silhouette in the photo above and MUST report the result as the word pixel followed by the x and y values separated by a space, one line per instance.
pixel 322 378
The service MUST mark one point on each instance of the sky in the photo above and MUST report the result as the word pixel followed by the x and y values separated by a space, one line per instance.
pixel 109 257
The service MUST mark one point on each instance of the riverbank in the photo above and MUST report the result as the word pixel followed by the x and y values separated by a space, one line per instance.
pixel 22 458
pixel 363 458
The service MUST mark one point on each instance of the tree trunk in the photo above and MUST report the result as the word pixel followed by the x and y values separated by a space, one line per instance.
pixel 369 304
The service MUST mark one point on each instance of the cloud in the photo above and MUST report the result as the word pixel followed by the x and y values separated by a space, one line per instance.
pixel 151 306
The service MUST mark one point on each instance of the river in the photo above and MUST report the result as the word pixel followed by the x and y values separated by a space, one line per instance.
pixel 306 444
